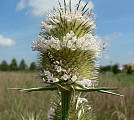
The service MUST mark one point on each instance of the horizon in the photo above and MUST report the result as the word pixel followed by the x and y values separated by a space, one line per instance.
pixel 18 62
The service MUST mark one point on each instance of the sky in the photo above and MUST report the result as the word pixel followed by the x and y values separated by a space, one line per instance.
pixel 20 25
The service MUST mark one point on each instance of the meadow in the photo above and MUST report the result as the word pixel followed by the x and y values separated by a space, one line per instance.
pixel 23 106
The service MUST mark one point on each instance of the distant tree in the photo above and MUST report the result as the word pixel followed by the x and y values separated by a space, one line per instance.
pixel 4 66
pixel 106 68
pixel 115 69
pixel 129 70
pixel 32 66
pixel 13 65
pixel 22 65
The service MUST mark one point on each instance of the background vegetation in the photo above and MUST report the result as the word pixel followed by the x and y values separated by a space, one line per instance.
pixel 22 66
pixel 15 66
pixel 16 105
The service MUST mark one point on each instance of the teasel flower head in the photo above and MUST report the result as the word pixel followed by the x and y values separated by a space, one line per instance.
pixel 68 47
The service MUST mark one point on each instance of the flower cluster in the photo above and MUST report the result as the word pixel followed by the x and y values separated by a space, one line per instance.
pixel 68 36
pixel 55 19
pixel 87 42
pixel 48 77
pixel 42 44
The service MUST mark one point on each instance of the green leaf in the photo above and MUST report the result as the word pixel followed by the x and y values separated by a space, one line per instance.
pixel 109 92
pixel 94 89
pixel 51 88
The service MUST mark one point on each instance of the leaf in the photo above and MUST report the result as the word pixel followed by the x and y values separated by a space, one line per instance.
pixel 109 92
pixel 94 89
pixel 35 89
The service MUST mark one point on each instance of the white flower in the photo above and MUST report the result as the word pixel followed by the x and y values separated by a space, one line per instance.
pixel 90 42
pixel 55 80
pixel 85 83
pixel 81 100
pixel 47 27
pixel 58 68
pixel 74 78
pixel 51 114
pixel 44 44
pixel 55 18
pixel 65 77
pixel 40 45
pixel 87 42
pixel 54 43
pixel 47 73
pixel 49 77
pixel 57 62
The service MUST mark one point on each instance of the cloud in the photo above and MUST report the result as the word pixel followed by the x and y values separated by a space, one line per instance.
pixel 40 7
pixel 6 42
pixel 112 36
pixel 21 5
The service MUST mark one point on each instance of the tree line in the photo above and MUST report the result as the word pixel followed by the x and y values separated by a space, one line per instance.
pixel 14 66
pixel 116 69
pixel 22 66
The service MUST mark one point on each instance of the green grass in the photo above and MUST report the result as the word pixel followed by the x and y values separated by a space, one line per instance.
pixel 110 107
pixel 13 104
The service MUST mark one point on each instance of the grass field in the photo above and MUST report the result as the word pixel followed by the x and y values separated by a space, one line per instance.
pixel 15 105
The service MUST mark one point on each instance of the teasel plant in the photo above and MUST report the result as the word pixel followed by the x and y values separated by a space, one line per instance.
pixel 69 51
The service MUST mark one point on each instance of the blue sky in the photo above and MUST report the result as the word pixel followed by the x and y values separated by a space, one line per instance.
pixel 20 25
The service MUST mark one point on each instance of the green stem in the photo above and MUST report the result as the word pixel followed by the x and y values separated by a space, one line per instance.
pixel 66 98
